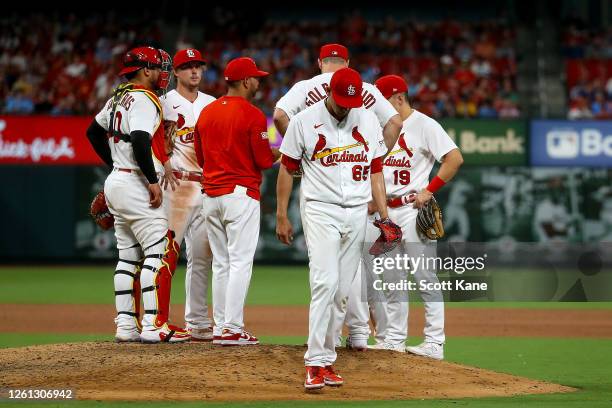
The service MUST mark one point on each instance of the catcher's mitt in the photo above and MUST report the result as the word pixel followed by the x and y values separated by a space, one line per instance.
pixel 169 135
pixel 429 220
pixel 100 213
pixel 390 237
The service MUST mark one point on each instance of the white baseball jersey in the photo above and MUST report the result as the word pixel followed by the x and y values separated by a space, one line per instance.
pixel 421 142
pixel 136 110
pixel 308 92
pixel 335 156
pixel 185 114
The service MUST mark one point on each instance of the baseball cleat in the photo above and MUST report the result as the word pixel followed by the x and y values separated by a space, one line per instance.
pixel 431 350
pixel 399 347
pixel 165 334
pixel 244 338
pixel 314 378
pixel 201 334
pixel 331 377
pixel 127 336
pixel 356 345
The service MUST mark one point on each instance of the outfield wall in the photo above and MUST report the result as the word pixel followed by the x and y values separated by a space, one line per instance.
pixel 52 173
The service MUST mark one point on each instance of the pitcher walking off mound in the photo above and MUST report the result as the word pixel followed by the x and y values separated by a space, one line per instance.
pixel 340 149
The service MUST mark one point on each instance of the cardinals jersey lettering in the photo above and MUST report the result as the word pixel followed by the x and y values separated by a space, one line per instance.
pixel 407 167
pixel 185 114
pixel 308 92
pixel 137 110
pixel 335 156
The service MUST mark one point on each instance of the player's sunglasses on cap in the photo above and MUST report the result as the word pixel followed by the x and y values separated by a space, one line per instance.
pixel 241 68
pixel 334 50
pixel 186 56
pixel 346 87
pixel 389 85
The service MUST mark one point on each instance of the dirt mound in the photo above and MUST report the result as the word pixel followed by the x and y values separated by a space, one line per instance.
pixel 200 371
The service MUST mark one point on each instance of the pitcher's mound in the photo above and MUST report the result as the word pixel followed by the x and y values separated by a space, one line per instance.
pixel 200 371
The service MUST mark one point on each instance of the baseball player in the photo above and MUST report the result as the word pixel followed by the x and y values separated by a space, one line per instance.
pixel 183 175
pixel 407 167
pixel 303 94
pixel 122 135
pixel 340 149
pixel 233 150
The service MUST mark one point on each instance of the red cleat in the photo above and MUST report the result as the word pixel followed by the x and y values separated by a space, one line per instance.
pixel 243 338
pixel 331 377
pixel 314 378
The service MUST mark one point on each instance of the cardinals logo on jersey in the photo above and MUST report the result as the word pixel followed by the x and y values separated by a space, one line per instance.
pixel 399 162
pixel 330 156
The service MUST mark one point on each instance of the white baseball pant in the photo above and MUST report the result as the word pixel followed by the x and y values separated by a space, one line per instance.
pixel 334 236
pixel 233 231
pixel 184 209
pixel 139 230
pixel 391 314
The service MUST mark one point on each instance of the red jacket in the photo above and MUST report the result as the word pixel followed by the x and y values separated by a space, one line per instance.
pixel 231 142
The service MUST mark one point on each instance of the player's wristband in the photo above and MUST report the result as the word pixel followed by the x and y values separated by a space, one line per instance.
pixel 435 184
pixel 399 201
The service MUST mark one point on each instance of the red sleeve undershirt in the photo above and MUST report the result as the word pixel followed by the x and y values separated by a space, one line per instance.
pixel 290 163
pixel 376 165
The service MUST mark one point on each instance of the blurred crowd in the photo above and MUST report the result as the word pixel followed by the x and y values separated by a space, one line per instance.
pixel 67 65
pixel 588 70
pixel 64 65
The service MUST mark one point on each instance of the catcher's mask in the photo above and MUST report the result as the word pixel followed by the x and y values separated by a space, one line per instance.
pixel 149 57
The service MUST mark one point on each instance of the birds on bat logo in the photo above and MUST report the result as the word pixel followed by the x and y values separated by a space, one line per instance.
pixel 333 156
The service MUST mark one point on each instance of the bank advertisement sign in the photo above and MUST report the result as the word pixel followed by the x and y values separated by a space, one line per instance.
pixel 487 142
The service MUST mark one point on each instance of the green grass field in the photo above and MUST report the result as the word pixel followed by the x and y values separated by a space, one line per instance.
pixel 582 363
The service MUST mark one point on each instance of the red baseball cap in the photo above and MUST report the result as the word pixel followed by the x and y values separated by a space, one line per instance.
pixel 241 68
pixel 346 88
pixel 389 85
pixel 186 56
pixel 334 50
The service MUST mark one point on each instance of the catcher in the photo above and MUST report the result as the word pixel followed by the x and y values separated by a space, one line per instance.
pixel 411 204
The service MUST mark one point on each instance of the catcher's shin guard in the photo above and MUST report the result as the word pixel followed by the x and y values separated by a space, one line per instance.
pixel 127 288
pixel 137 295
pixel 157 271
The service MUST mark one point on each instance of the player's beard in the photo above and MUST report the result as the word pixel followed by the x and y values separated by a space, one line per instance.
pixel 253 91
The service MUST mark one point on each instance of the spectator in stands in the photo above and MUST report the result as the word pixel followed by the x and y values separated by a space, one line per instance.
pixel 486 110
pixel 18 102
pixel 508 109
pixel 580 109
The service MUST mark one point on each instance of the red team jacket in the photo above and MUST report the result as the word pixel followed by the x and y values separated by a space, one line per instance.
pixel 231 142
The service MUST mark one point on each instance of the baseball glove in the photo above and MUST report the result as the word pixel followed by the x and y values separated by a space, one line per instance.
pixel 429 220
pixel 100 213
pixel 169 135
pixel 390 237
